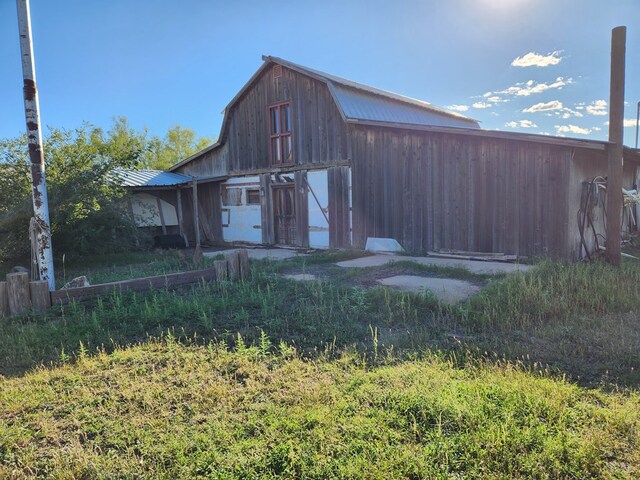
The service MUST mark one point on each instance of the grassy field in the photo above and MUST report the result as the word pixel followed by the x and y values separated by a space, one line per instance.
pixel 537 376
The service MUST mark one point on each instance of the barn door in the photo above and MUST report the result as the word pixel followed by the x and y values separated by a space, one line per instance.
pixel 284 212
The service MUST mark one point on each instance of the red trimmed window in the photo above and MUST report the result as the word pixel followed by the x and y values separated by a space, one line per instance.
pixel 281 147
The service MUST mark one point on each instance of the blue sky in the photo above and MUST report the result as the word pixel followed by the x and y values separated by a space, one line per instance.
pixel 537 66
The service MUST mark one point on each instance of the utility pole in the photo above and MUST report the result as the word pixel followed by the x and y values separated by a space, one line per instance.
pixel 44 252
pixel 615 149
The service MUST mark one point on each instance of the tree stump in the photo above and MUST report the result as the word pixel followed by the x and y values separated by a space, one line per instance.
pixel 18 293
pixel 40 298
pixel 4 300
pixel 243 259
pixel 233 265
pixel 221 270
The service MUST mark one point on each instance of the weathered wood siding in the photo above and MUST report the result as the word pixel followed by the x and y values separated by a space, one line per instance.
pixel 208 213
pixel 319 134
pixel 213 163
pixel 435 191
pixel 338 179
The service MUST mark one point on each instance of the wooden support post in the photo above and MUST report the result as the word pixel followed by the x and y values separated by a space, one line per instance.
pixel 40 297
pixel 220 267
pixel 614 150
pixel 181 217
pixel 161 213
pixel 233 265
pixel 196 219
pixel 243 259
pixel 4 300
pixel 18 293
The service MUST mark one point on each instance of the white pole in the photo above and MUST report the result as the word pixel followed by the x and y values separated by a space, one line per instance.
pixel 36 156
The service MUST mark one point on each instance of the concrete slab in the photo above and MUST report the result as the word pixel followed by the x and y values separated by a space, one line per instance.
pixel 473 266
pixel 447 290
pixel 301 277
pixel 263 253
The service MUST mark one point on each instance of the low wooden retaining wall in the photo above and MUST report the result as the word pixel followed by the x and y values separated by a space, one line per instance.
pixel 18 295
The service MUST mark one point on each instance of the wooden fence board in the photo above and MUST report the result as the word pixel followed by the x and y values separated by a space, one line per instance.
pixel 169 281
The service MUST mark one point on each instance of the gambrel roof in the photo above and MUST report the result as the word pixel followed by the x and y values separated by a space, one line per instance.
pixel 357 103
pixel 364 105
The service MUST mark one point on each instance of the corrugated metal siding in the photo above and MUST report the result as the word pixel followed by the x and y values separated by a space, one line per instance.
pixel 361 105
pixel 150 178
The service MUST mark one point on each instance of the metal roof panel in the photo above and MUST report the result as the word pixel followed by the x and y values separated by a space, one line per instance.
pixel 150 178
pixel 361 105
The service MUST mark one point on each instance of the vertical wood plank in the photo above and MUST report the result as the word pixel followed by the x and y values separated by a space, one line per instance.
pixel 4 300
pixel 222 272
pixel 18 293
pixel 40 297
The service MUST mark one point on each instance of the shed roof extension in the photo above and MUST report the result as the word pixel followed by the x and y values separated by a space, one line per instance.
pixel 149 178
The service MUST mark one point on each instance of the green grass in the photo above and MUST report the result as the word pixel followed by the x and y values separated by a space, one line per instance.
pixel 123 266
pixel 557 291
pixel 166 410
pixel 308 315
pixel 537 377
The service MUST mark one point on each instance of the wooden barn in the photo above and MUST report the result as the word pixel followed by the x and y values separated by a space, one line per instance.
pixel 308 159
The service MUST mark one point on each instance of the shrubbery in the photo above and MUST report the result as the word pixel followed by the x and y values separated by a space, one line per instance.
pixel 85 204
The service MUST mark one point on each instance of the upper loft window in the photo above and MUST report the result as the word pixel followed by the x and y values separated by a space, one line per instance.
pixel 281 148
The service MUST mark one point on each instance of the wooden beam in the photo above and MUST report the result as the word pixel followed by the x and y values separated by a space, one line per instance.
pixel 291 169
pixel 615 150
pixel 196 219
pixel 169 281
pixel 162 222
pixel 181 217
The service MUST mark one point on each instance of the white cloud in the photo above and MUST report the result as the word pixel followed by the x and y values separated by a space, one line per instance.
pixel 599 107
pixel 568 113
pixel 544 107
pixel 561 129
pixel 628 122
pixel 533 59
pixel 481 105
pixel 524 89
pixel 521 124
pixel 458 108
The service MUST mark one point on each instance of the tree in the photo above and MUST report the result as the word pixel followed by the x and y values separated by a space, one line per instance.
pixel 178 143
pixel 85 200
pixel 84 203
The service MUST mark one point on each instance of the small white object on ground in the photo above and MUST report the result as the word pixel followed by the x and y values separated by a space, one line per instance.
pixel 301 277
pixel 77 282
pixel 381 245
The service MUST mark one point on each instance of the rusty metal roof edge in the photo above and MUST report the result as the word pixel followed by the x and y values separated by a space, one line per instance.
pixel 574 142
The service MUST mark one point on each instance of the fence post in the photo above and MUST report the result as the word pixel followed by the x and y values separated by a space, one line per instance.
pixel 40 296
pixel 18 293
pixel 233 265
pixel 4 300
pixel 221 270
pixel 243 258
